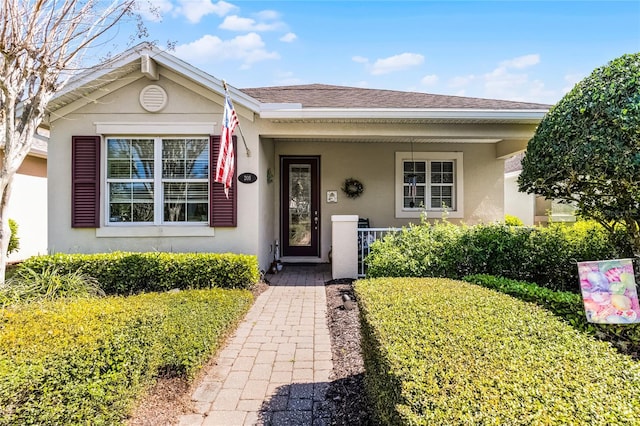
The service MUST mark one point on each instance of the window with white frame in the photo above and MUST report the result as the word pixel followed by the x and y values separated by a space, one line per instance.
pixel 157 180
pixel 429 182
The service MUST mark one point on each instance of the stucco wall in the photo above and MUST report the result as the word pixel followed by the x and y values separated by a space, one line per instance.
pixel 28 207
pixel 123 106
pixel 266 207
pixel 374 165
pixel 516 203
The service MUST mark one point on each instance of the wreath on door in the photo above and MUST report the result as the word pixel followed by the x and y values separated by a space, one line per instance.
pixel 353 188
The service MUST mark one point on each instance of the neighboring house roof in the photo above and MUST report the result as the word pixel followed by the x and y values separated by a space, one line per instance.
pixel 327 96
pixel 39 146
pixel 514 164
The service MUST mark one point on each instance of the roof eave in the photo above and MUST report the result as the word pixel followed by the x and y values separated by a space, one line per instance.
pixel 167 60
pixel 292 113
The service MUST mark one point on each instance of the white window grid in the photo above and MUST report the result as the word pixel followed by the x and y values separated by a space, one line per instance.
pixel 157 183
pixel 429 189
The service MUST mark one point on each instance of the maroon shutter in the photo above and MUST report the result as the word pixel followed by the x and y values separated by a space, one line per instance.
pixel 222 211
pixel 85 181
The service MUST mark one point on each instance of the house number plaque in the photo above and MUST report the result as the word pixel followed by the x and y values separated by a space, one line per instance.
pixel 247 178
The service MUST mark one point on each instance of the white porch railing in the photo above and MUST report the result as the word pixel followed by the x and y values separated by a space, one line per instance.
pixel 366 236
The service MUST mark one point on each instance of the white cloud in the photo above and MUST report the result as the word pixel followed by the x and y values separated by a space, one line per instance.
pixel 153 10
pixel 521 61
pixel 507 81
pixel 430 80
pixel 396 63
pixel 288 37
pixel 236 23
pixel 360 59
pixel 461 81
pixel 248 49
pixel 194 10
pixel 287 78
pixel 268 15
pixel 571 80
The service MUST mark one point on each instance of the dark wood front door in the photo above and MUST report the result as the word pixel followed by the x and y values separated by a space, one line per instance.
pixel 300 208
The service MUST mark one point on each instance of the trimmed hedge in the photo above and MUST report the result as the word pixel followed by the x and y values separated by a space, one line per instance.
pixel 546 256
pixel 566 305
pixel 132 273
pixel 87 361
pixel 444 352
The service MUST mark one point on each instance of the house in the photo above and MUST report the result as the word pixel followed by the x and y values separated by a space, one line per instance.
pixel 28 202
pixel 134 142
pixel 531 209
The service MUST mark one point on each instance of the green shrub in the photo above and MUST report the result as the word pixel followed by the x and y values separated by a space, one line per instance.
pixel 27 285
pixel 512 220
pixel 131 273
pixel 444 352
pixel 544 255
pixel 14 240
pixel 88 361
pixel 417 250
pixel 197 323
pixel 566 305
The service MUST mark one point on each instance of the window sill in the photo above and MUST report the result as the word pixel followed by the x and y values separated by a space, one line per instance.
pixel 410 214
pixel 154 231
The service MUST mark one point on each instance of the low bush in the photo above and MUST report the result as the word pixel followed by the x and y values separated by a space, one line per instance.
pixel 544 255
pixel 14 240
pixel 87 361
pixel 131 273
pixel 445 352
pixel 566 305
pixel 27 285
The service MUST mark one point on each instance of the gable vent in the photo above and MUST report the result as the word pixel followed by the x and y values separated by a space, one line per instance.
pixel 153 98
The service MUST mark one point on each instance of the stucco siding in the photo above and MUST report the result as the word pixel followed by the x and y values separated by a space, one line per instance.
pixel 28 207
pixel 516 203
pixel 184 106
pixel 374 165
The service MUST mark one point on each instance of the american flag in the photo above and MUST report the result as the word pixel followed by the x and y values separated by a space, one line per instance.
pixel 226 156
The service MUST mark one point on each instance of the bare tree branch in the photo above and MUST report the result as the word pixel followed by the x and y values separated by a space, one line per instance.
pixel 40 42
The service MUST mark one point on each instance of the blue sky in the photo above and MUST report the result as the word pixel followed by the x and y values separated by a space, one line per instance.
pixel 530 51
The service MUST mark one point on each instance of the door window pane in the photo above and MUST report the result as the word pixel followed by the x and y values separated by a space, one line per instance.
pixel 299 205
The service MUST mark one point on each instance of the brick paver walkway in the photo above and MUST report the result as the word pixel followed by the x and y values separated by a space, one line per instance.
pixel 275 369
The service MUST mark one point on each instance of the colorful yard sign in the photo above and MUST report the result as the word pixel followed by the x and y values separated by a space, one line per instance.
pixel 609 291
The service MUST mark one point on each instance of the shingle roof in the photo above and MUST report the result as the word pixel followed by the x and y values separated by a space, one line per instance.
pixel 327 96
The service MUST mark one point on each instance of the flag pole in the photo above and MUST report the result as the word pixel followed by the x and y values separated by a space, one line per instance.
pixel 226 90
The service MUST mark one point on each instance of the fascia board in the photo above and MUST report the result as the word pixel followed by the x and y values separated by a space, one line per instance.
pixel 166 60
pixel 204 79
pixel 95 73
pixel 398 113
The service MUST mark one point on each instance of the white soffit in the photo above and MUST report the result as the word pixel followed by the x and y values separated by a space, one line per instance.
pixel 292 112
pixel 394 139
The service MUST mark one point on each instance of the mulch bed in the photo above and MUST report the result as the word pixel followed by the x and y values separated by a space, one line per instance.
pixel 346 390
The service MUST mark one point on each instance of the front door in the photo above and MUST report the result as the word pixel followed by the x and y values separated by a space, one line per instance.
pixel 300 208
